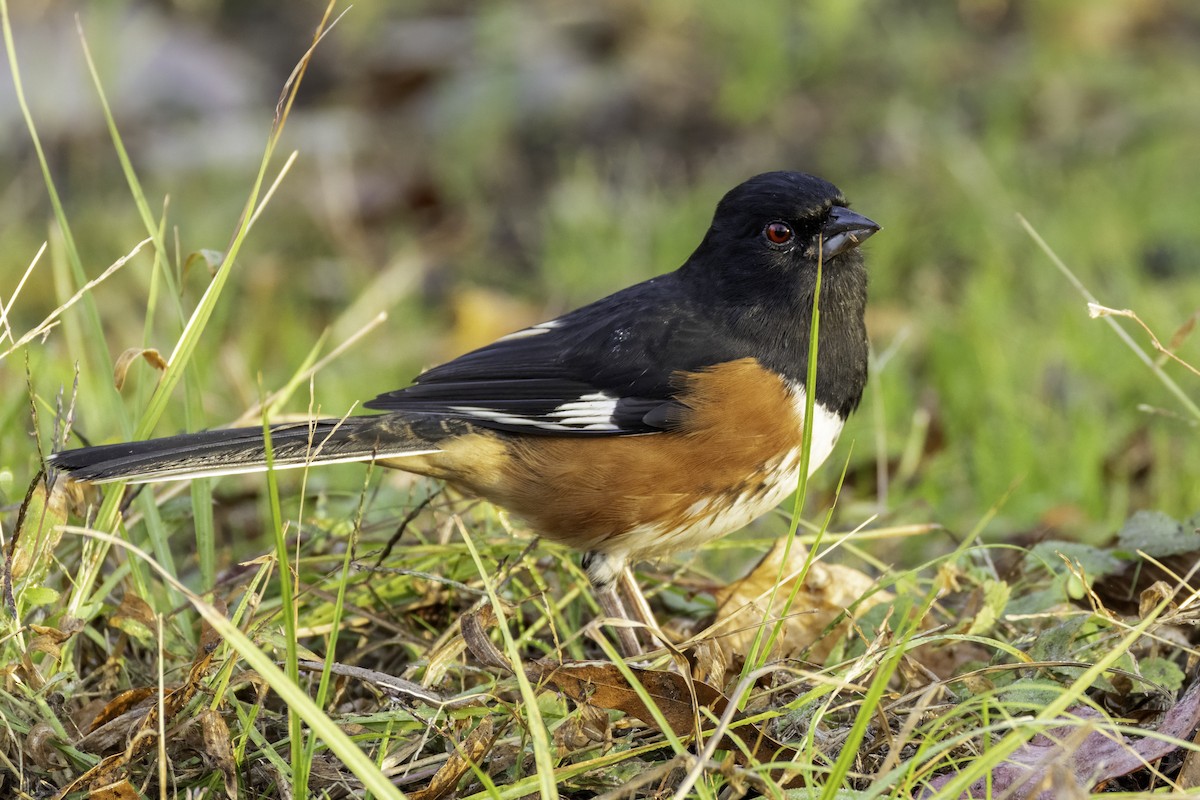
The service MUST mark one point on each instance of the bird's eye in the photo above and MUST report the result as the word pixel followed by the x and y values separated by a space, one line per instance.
pixel 778 233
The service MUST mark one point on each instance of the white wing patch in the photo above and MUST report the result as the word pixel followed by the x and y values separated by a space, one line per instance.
pixel 590 412
pixel 535 330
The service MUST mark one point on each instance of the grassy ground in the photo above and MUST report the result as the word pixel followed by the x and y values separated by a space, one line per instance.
pixel 471 173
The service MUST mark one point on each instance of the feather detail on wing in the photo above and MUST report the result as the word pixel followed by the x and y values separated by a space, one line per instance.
pixel 608 369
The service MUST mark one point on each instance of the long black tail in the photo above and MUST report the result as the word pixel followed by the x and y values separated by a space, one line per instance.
pixel 237 450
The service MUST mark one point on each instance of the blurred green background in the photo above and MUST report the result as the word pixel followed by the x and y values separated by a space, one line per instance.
pixel 474 167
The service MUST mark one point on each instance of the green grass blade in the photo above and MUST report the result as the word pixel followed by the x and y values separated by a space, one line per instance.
pixel 154 228
pixel 763 641
pixel 287 610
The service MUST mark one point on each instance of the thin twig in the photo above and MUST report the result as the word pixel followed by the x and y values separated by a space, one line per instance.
pixel 1121 332
pixel 48 322
pixel 1096 310
pixel 4 309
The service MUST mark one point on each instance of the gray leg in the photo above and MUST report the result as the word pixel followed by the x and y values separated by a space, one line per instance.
pixel 637 602
pixel 610 602
pixel 604 571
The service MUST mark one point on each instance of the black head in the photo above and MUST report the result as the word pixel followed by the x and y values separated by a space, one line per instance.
pixel 784 220
pixel 760 258
pixel 769 232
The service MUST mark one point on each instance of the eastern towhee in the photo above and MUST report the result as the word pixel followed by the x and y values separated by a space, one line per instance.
pixel 651 421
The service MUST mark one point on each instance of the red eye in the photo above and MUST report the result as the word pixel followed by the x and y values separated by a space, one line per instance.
pixel 778 233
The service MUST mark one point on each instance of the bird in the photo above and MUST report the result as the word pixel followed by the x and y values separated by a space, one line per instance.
pixel 648 422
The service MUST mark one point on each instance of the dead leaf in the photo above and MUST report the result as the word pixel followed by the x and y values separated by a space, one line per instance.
pixel 126 359
pixel 129 700
pixel 587 727
pixel 70 627
pixel 112 734
pixel 49 640
pixel 118 790
pixel 136 729
pixel 218 748
pixel 1154 595
pixel 1080 754
pixel 43 644
pixel 1189 773
pixel 828 591
pixel 135 618
pixel 947 578
pixel 710 662
pixel 41 747
pixel 601 684
pixel 474 626
pixel 465 756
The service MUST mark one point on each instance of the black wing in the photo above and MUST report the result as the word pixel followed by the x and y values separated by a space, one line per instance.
pixel 603 369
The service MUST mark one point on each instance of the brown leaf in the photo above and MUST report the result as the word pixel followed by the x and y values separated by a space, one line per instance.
pixel 138 725
pixel 135 617
pixel 41 747
pixel 587 727
pixel 112 734
pixel 219 748
pixel 57 635
pixel 126 359
pixel 826 594
pixel 50 644
pixel 1189 773
pixel 474 626
pixel 710 661
pixel 201 666
pixel 465 756
pixel 123 703
pixel 118 790
pixel 601 684
pixel 101 777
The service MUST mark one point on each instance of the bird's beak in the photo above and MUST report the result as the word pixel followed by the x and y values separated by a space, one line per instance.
pixel 844 231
